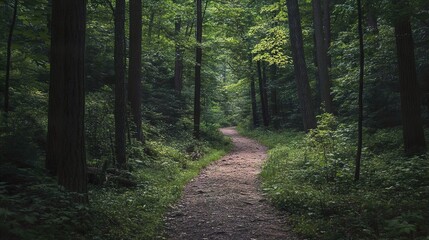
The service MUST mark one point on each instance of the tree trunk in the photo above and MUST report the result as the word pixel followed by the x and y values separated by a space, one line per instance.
pixel 178 68
pixel 66 146
pixel 300 67
pixel 371 17
pixel 414 139
pixel 255 118
pixel 263 93
pixel 135 66
pixel 327 27
pixel 360 100
pixel 150 27
pixel 199 53
pixel 273 93
pixel 120 117
pixel 8 57
pixel 322 57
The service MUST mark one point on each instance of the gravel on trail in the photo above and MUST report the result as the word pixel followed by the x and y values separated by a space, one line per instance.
pixel 225 200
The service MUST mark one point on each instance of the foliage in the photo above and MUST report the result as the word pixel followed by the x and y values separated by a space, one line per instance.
pixel 311 177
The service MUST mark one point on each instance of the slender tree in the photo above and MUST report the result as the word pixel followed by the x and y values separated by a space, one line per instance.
pixel 414 139
pixel 135 66
pixel 322 57
pixel 66 146
pixel 120 105
pixel 8 56
pixel 300 67
pixel 263 93
pixel 360 98
pixel 198 56
pixel 326 7
pixel 178 66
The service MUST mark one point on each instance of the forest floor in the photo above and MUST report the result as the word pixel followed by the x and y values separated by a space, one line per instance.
pixel 225 200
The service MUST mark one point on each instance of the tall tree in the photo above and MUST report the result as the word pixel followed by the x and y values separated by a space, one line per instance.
pixel 414 139
pixel 198 58
pixel 300 67
pixel 326 7
pixel 66 146
pixel 263 93
pixel 322 57
pixel 178 66
pixel 8 57
pixel 135 66
pixel 360 98
pixel 120 105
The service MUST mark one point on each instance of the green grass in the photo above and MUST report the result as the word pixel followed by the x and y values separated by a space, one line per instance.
pixel 311 177
pixel 138 213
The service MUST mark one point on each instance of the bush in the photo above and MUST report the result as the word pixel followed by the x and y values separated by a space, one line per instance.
pixel 311 177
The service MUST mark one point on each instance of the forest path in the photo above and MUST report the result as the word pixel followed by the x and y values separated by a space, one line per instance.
pixel 225 202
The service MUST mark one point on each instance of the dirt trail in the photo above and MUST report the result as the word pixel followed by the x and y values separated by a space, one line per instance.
pixel 224 201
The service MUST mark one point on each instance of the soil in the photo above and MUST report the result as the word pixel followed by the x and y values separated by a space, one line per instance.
pixel 225 201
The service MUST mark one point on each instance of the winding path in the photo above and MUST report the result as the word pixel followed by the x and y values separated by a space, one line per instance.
pixel 224 201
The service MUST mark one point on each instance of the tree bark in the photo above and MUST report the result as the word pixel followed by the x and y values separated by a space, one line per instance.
pixel 300 67
pixel 273 93
pixel 322 57
pixel 198 53
pixel 255 118
pixel 135 66
pixel 8 57
pixel 66 145
pixel 178 67
pixel 263 93
pixel 414 139
pixel 120 106
pixel 360 98
pixel 327 27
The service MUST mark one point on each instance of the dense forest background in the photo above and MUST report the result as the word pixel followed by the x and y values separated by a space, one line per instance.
pixel 128 96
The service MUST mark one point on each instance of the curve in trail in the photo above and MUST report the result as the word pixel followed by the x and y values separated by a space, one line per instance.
pixel 224 201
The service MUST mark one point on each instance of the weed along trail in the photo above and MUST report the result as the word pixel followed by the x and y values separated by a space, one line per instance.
pixel 224 201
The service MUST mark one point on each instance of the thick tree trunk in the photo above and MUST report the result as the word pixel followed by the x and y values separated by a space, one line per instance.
pixel 322 57
pixel 120 106
pixel 8 57
pixel 178 67
pixel 414 139
pixel 300 67
pixel 135 68
pixel 66 146
pixel 263 94
pixel 198 58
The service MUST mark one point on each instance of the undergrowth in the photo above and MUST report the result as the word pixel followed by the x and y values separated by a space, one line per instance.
pixel 311 177
pixel 33 207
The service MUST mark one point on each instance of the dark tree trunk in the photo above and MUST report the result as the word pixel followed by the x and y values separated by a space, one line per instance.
pixel 66 148
pixel 322 57
pixel 263 93
pixel 274 102
pixel 120 106
pixel 199 54
pixel 255 118
pixel 178 67
pixel 360 100
pixel 8 57
pixel 327 27
pixel 135 68
pixel 300 67
pixel 414 139
pixel 371 17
